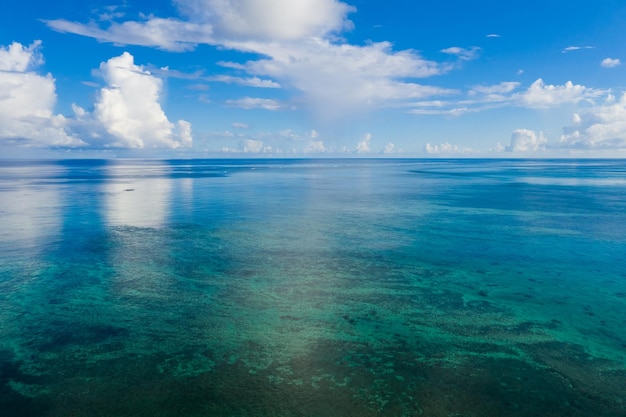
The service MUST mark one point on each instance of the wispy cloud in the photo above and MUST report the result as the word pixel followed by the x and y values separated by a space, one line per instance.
pixel 453 111
pixel 228 79
pixel 244 81
pixel 167 34
pixel 507 94
pixel 465 54
pixel 254 103
pixel 501 88
pixel 576 48
pixel 299 46
pixel 109 13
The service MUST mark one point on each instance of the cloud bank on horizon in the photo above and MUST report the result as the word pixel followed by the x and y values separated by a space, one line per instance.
pixel 285 63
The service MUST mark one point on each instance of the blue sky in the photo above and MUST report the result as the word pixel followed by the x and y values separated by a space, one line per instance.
pixel 308 78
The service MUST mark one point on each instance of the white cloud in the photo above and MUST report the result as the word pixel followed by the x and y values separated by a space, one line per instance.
pixel 167 34
pixel 388 149
pixel 128 109
pixel 246 146
pixel 239 125
pixel 489 96
pixel 485 97
pixel 79 112
pixel 228 79
pixel 454 111
pixel 109 13
pixel 498 148
pixel 18 58
pixel 216 21
pixel 539 95
pixel 364 145
pixel 290 134
pixel 285 141
pixel 247 82
pixel 575 48
pixel 298 39
pixel 27 100
pixel 254 103
pixel 183 129
pixel 252 146
pixel 274 20
pixel 198 87
pixel 447 149
pixel 610 63
pixel 604 127
pixel 462 53
pixel 493 35
pixel 340 78
pixel 315 146
pixel 524 140
pixel 501 88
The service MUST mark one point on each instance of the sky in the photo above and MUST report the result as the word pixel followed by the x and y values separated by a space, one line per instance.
pixel 313 78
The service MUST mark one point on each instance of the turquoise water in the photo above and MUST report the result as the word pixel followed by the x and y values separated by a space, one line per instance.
pixel 313 288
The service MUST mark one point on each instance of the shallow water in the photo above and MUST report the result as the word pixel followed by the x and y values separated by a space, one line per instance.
pixel 313 288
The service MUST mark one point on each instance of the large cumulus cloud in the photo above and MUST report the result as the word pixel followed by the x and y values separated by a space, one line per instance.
pixel 126 113
pixel 27 100
pixel 128 108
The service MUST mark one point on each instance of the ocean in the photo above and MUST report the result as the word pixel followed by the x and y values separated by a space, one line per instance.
pixel 313 288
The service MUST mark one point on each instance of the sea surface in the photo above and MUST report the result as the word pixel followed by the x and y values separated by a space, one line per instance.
pixel 313 288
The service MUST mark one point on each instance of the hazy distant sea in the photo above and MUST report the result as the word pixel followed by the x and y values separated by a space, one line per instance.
pixel 321 288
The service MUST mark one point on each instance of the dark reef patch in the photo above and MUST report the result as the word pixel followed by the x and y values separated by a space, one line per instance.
pixel 12 402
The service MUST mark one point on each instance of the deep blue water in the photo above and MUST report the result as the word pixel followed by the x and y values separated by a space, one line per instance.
pixel 313 288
